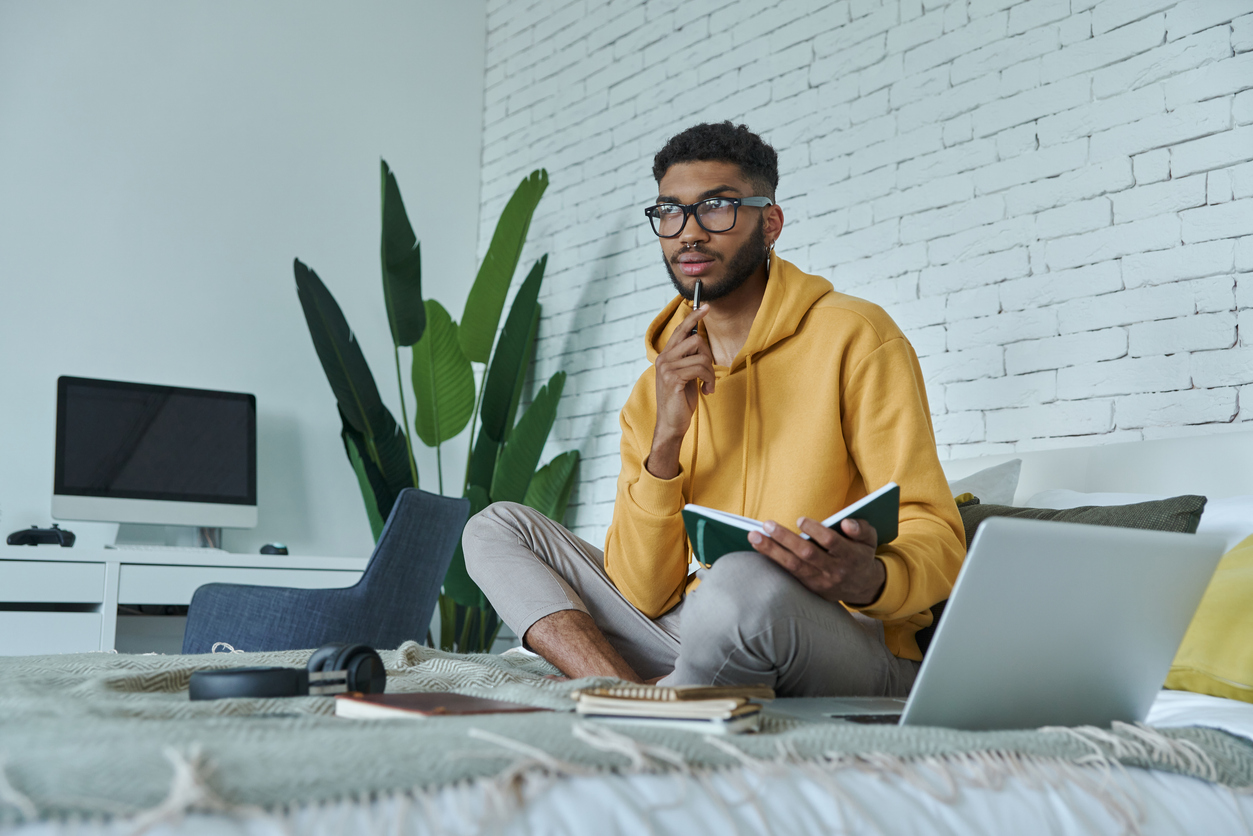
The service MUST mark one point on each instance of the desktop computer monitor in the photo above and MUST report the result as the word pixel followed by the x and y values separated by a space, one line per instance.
pixel 161 455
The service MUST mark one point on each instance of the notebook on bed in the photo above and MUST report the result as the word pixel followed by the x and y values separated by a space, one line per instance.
pixel 1049 624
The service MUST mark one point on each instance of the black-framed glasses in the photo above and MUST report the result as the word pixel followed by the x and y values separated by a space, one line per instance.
pixel 715 214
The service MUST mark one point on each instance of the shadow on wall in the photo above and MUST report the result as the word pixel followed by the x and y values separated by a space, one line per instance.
pixel 282 495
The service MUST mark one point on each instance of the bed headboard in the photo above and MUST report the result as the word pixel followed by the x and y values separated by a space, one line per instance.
pixel 1215 465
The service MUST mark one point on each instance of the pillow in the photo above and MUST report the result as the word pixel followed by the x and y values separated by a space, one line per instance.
pixel 1179 513
pixel 1216 656
pixel 995 484
pixel 1230 518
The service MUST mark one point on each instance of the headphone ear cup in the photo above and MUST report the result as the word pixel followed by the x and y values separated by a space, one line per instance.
pixel 324 657
pixel 365 671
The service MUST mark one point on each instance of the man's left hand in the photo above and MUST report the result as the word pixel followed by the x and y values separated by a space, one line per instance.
pixel 837 566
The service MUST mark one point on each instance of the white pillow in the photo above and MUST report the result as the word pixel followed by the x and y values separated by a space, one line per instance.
pixel 1230 518
pixel 993 485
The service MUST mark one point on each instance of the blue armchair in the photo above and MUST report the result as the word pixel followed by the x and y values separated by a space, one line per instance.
pixel 392 603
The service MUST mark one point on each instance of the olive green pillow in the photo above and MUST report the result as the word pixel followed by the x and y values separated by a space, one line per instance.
pixel 1178 513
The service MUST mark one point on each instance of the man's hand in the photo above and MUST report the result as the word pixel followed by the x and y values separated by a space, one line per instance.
pixel 685 363
pixel 838 567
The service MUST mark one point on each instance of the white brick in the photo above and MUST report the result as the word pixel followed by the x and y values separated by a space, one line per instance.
pixel 973 364
pixel 1127 376
pixel 1089 181
pixel 968 156
pixel 1179 263
pixel 1002 235
pixel 1220 78
pixel 885 265
pixel 974 272
pixel 1032 104
pixel 1240 178
pixel 958 99
pixel 1220 185
pixel 1003 53
pixel 1037 165
pixel 1227 220
pixel 1061 418
pixel 947 47
pixel 1002 329
pixel 1223 368
pixel 918 31
pixel 1002 392
pixel 1114 13
pixel 1161 130
pixel 1194 406
pixel 1126 307
pixel 958 427
pixel 1082 216
pixel 958 129
pixel 1104 50
pixel 1151 166
pixel 1188 333
pixel 1159 199
pixel 970 304
pixel 928 341
pixel 1077 27
pixel 1063 285
pixel 1014 142
pixel 1212 152
pixel 1242 34
pixel 1194 15
pixel 1162 62
pixel 947 220
pixel 1101 115
pixel 1033 13
pixel 1124 239
pixel 1065 351
pixel 944 191
pixel 1244 259
pixel 1020 77
pixel 1242 108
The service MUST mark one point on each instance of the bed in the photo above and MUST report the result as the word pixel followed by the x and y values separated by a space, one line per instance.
pixel 99 744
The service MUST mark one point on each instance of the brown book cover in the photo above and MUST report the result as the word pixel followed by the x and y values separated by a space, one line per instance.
pixel 358 706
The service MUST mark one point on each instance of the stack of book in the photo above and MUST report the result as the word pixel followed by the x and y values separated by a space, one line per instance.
pixel 711 710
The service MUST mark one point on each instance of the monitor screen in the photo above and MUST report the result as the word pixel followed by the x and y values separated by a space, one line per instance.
pixel 133 441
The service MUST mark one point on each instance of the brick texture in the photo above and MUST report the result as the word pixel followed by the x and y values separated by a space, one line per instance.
pixel 1054 198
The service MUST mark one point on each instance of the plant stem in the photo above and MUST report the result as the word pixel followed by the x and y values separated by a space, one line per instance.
pixel 439 466
pixel 404 416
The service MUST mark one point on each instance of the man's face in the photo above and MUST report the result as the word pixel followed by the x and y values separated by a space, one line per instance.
pixel 722 261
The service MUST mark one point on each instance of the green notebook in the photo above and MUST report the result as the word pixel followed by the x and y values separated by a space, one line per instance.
pixel 715 533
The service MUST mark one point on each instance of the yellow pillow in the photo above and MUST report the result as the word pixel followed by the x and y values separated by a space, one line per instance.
pixel 1216 656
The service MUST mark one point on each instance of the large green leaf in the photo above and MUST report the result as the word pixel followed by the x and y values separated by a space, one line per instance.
pixel 526 362
pixel 350 378
pixel 443 380
pixel 549 491
pixel 482 461
pixel 402 265
pixel 505 375
pixel 362 469
pixel 457 582
pixel 487 296
pixel 519 457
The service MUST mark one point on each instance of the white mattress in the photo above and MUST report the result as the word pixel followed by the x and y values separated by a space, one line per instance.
pixel 791 800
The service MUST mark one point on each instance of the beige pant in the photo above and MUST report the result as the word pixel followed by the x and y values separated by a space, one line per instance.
pixel 750 621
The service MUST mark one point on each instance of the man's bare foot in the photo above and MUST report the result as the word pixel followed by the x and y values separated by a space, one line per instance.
pixel 571 641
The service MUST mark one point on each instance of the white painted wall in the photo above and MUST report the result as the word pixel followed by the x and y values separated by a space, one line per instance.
pixel 160 166
pixel 1053 197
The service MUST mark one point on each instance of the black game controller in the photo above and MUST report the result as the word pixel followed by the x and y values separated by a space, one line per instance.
pixel 35 535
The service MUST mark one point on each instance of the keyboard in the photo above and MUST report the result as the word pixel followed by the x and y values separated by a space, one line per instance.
pixel 184 549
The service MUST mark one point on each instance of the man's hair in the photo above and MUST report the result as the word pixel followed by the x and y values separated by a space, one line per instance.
pixel 725 143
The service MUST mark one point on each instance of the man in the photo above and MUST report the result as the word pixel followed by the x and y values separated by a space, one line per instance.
pixel 778 399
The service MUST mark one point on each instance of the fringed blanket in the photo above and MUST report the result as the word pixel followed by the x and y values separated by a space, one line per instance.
pixel 111 735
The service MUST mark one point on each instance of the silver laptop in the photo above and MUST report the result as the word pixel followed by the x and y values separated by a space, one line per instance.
pixel 1049 623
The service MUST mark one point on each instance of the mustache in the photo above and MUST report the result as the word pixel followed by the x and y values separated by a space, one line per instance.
pixel 674 259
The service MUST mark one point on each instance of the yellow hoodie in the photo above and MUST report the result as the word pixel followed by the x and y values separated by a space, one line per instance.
pixel 824 403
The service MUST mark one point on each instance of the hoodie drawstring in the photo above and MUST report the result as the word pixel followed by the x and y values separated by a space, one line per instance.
pixel 748 424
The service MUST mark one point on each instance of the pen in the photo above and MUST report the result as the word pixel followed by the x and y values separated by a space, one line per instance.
pixel 696 304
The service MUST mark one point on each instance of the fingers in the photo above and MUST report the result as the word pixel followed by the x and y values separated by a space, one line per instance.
pixel 685 327
pixel 693 367
pixel 771 549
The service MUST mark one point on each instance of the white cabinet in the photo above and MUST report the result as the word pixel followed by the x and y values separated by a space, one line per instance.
pixel 55 600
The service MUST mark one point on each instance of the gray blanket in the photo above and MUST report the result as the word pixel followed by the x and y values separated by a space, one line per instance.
pixel 101 734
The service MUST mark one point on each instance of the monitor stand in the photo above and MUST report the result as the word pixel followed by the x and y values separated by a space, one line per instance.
pixel 141 534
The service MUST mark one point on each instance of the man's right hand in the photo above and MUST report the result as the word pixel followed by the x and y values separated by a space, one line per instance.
pixel 685 363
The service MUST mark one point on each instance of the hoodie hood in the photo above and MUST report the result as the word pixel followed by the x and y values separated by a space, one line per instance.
pixel 790 293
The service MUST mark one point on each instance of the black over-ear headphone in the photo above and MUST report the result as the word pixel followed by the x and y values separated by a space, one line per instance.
pixel 332 669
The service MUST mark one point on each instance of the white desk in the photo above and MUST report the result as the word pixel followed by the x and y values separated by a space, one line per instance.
pixel 57 600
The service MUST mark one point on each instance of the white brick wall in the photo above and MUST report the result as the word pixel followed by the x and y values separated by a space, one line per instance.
pixel 1054 198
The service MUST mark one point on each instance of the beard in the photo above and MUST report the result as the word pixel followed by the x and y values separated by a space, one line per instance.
pixel 751 255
